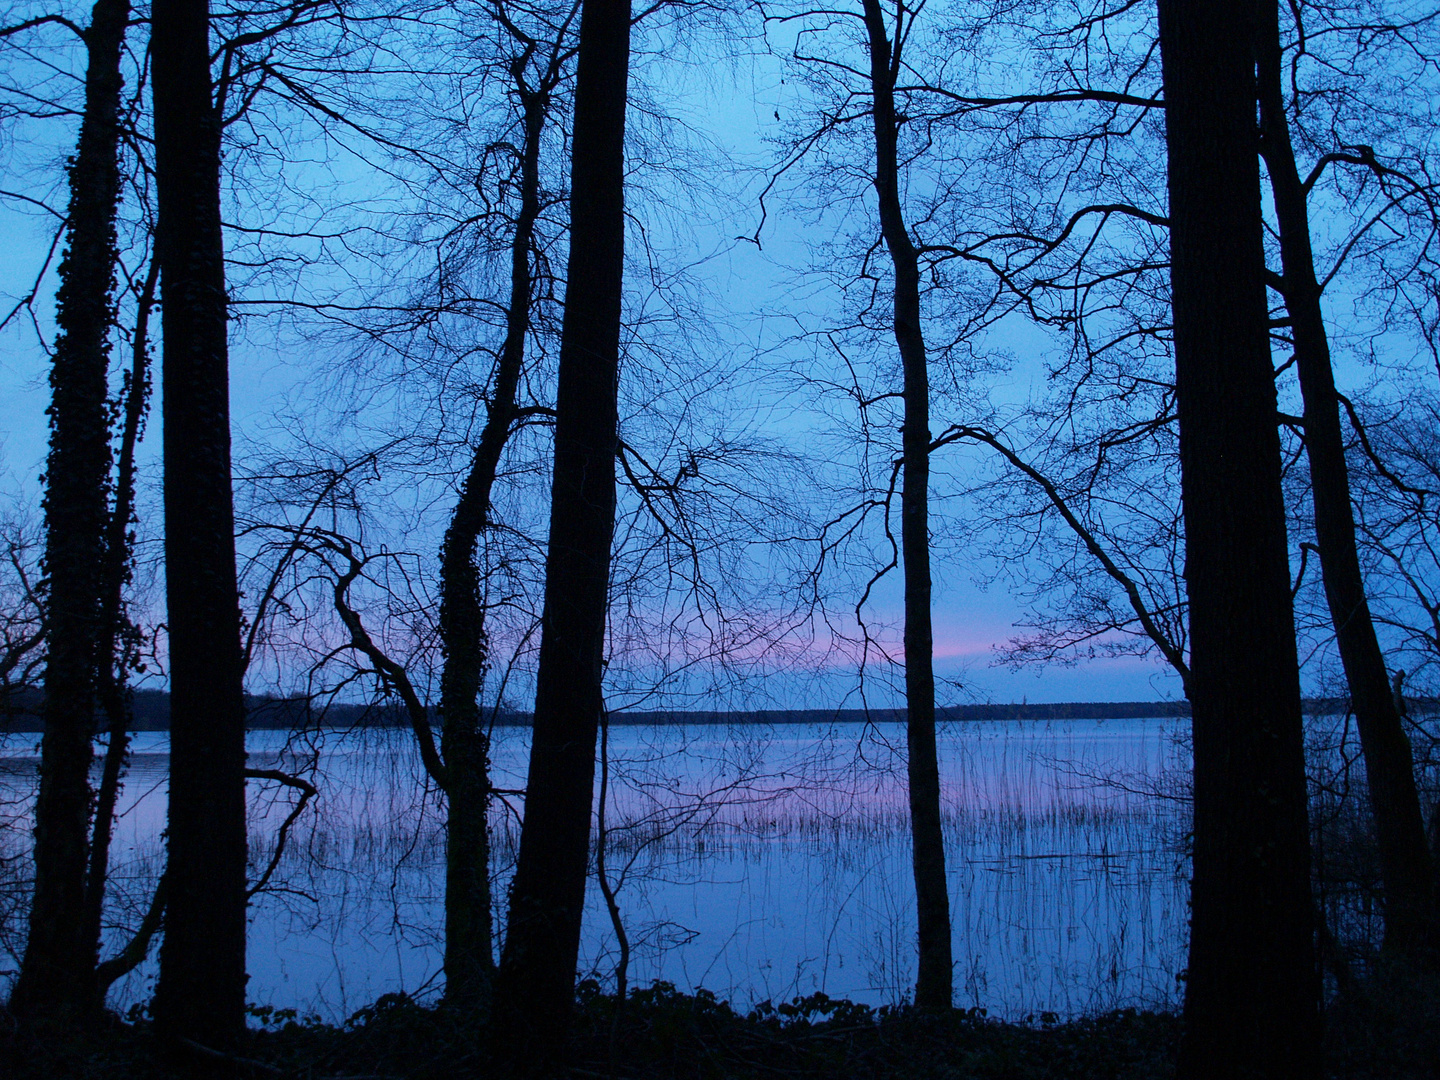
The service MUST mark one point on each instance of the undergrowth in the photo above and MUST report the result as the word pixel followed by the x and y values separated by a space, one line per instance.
pixel 661 1033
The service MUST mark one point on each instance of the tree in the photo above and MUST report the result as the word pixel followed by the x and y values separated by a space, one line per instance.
pixel 1252 1003
pixel 1412 920
pixel 1064 166
pixel 200 995
pixel 486 197
pixel 933 985
pixel 469 956
pixel 117 653
pixel 59 957
pixel 536 981
pixel 1330 112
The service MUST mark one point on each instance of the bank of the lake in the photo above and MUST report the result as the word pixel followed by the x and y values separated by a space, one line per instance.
pixel 20 713
pixel 1384 1030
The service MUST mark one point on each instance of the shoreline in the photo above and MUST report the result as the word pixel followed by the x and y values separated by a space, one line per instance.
pixel 151 709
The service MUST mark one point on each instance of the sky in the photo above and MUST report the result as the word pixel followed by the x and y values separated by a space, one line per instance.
pixel 738 107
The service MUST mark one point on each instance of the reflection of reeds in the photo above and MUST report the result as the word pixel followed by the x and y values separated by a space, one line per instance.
pixel 1074 829
pixel 761 862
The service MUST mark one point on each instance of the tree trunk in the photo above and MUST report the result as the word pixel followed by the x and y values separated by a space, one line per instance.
pixel 56 972
pixel 1252 996
pixel 933 986
pixel 201 991
pixel 469 948
pixel 537 973
pixel 115 642
pixel 1410 908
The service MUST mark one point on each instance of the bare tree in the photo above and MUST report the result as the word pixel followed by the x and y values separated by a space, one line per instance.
pixel 119 648
pixel 536 981
pixel 200 995
pixel 22 621
pixel 1410 903
pixel 469 956
pixel 1252 1001
pixel 933 985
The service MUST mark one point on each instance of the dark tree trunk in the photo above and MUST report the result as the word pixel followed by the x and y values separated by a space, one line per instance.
pixel 537 973
pixel 1410 908
pixel 55 975
pixel 469 949
pixel 115 642
pixel 201 990
pixel 1252 996
pixel 933 987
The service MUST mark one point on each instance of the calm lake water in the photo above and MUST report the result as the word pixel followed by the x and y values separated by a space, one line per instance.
pixel 759 862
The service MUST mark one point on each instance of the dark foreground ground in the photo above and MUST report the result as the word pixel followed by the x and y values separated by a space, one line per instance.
pixel 663 1034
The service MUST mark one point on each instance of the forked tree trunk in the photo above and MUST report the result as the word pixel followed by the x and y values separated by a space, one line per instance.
pixel 536 985
pixel 55 976
pixel 933 987
pixel 469 946
pixel 1252 1000
pixel 1405 868
pixel 200 995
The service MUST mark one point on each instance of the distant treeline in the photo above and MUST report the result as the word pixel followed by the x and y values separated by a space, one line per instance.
pixel 152 713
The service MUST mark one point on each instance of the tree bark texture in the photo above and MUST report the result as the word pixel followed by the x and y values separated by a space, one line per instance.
pixel 1252 996
pixel 55 974
pixel 537 974
pixel 469 948
pixel 933 987
pixel 201 991
pixel 1410 902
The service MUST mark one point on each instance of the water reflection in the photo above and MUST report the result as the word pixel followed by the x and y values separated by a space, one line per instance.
pixel 760 862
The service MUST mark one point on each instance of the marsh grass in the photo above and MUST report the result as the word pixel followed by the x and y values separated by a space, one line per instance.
pixel 763 864
pixel 1346 852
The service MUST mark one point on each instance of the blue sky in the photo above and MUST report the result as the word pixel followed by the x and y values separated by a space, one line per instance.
pixel 731 109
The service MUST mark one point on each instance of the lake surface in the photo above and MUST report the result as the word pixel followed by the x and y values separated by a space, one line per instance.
pixel 758 862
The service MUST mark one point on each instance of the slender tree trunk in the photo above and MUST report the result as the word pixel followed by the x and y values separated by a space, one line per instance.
pixel 201 991
pixel 114 647
pixel 469 948
pixel 56 972
pixel 933 987
pixel 537 972
pixel 1252 1001
pixel 1410 908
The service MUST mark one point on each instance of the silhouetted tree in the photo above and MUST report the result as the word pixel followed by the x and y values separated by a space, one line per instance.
pixel 536 984
pixel 118 644
pixel 469 956
pixel 933 985
pixel 1410 903
pixel 1252 1002
pixel 201 990
pixel 55 976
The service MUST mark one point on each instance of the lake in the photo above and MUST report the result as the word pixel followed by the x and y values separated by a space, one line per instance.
pixel 760 862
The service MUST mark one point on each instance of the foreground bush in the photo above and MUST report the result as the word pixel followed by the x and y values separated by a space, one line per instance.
pixel 1386 1029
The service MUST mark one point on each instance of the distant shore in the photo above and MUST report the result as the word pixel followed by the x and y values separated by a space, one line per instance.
pixel 152 713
